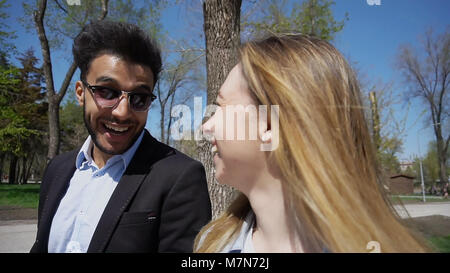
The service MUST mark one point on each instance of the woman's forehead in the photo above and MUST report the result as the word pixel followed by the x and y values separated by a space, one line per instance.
pixel 235 88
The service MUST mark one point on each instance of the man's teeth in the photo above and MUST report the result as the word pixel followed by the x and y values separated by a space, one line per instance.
pixel 214 150
pixel 117 129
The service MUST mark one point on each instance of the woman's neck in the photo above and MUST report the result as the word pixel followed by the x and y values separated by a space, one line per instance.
pixel 272 232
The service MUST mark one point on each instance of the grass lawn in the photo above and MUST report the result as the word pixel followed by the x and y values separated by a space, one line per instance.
pixel 25 196
pixel 416 199
pixel 441 243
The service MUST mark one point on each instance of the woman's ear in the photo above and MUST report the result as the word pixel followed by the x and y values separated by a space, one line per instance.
pixel 79 90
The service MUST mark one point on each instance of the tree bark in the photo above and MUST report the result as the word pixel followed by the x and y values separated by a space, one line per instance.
pixel 2 160
pixel 12 169
pixel 54 98
pixel 222 37
pixel 375 120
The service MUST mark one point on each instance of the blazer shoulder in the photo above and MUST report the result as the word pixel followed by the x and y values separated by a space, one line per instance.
pixel 163 154
pixel 63 159
pixel 177 159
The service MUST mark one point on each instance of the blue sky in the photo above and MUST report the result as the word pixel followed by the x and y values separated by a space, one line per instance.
pixel 371 38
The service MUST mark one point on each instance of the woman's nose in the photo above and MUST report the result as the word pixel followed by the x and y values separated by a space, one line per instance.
pixel 208 130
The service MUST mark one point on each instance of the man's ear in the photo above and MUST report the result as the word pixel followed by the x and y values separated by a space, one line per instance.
pixel 79 90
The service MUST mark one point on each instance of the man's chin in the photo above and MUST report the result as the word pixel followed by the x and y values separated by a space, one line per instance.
pixel 112 150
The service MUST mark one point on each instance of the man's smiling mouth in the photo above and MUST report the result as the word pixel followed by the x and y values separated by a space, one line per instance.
pixel 116 129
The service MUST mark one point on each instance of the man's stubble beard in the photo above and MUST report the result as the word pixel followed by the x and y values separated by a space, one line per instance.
pixel 93 135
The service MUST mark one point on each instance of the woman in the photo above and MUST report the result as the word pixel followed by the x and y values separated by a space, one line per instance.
pixel 319 189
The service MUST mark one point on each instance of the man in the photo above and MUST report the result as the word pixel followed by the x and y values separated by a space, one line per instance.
pixel 123 191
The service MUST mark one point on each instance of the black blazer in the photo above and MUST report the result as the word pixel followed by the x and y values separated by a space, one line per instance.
pixel 159 205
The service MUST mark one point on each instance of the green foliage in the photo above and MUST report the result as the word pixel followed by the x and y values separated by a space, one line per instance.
pixel 312 17
pixel 145 13
pixel 73 130
pixel 63 22
pixel 22 111
pixel 6 36
pixel 9 80
pixel 387 154
pixel 430 166
pixel 431 162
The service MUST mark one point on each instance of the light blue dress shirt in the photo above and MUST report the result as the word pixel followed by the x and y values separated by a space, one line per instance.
pixel 89 191
pixel 244 241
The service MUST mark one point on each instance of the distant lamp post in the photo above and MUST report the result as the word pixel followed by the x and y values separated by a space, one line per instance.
pixel 421 177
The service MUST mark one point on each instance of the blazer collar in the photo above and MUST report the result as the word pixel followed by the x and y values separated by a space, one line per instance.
pixel 148 152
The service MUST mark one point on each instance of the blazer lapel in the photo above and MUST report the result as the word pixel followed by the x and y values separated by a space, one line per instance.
pixel 58 188
pixel 137 170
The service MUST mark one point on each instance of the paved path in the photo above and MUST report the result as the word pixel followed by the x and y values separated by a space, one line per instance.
pixel 18 236
pixel 425 209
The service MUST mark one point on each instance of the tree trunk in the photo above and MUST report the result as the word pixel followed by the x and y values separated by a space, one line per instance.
pixel 54 98
pixel 12 169
pixel 2 160
pixel 375 120
pixel 54 132
pixel 27 162
pixel 23 179
pixel 442 158
pixel 222 36
pixel 169 123
pixel 162 122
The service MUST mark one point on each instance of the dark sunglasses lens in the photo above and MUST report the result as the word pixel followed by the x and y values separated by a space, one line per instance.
pixel 140 102
pixel 106 96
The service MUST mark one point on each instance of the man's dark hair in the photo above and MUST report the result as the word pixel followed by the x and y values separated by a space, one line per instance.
pixel 117 38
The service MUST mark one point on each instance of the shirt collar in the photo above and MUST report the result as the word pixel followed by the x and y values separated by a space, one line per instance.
pixel 247 227
pixel 84 155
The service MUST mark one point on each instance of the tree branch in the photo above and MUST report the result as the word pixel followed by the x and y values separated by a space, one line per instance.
pixel 104 10
pixel 66 12
pixel 47 65
pixel 66 82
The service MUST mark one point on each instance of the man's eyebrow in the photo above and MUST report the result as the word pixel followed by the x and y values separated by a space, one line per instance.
pixel 145 86
pixel 114 81
pixel 105 79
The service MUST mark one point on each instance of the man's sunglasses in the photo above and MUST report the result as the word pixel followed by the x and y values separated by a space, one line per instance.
pixel 109 97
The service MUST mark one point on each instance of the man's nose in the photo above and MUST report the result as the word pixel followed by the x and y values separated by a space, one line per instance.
pixel 122 110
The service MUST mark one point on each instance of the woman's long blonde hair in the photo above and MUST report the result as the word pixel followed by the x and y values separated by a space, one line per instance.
pixel 331 182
